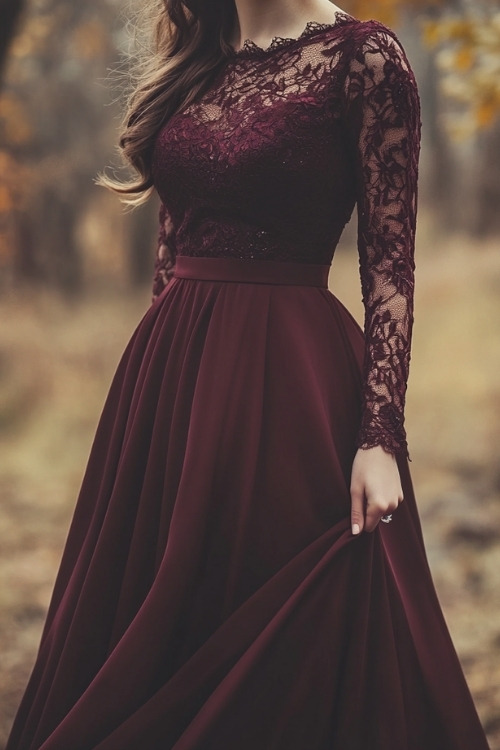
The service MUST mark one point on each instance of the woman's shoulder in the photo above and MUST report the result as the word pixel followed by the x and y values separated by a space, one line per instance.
pixel 376 64
pixel 369 41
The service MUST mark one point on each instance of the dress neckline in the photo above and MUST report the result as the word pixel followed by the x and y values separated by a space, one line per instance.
pixel 277 42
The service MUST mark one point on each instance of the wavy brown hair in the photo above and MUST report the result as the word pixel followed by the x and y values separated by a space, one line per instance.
pixel 188 42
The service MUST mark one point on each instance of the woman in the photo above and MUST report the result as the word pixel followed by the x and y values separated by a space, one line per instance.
pixel 227 582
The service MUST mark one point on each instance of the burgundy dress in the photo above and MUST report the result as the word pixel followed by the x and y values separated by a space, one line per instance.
pixel 211 595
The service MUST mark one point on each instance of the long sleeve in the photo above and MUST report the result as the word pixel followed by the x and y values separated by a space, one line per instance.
pixel 382 116
pixel 165 253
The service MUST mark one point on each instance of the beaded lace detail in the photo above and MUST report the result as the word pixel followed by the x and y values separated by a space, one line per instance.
pixel 270 161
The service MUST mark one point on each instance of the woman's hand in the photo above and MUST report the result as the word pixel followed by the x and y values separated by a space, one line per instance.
pixel 375 488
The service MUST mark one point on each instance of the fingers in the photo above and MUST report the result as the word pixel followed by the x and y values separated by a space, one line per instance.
pixel 377 507
pixel 375 488
pixel 375 510
pixel 357 510
pixel 366 516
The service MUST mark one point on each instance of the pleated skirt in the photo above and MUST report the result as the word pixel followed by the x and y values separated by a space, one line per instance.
pixel 211 595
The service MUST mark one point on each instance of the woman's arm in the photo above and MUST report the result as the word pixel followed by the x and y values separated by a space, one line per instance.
pixel 383 123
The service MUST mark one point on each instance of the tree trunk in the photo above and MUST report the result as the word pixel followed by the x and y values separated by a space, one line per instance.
pixel 486 215
pixel 10 13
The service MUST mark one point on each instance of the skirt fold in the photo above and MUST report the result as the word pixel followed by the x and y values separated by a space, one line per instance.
pixel 211 595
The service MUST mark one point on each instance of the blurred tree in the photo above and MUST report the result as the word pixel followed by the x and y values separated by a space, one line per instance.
pixel 53 134
pixel 58 126
pixel 10 13
pixel 469 59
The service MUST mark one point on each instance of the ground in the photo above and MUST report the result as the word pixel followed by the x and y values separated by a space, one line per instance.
pixel 56 363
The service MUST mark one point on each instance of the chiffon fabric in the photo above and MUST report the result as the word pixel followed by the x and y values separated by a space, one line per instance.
pixel 211 595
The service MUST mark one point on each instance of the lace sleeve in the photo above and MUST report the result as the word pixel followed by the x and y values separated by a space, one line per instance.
pixel 165 254
pixel 382 111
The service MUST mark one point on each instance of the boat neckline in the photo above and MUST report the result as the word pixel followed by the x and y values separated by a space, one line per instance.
pixel 277 42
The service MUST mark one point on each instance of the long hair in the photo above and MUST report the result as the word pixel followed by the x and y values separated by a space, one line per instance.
pixel 188 43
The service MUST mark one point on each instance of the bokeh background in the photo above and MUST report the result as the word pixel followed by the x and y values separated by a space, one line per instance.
pixel 76 275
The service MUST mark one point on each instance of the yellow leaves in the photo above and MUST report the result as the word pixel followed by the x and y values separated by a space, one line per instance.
pixel 465 58
pixel 14 121
pixel 385 11
pixel 469 60
pixel 431 32
pixel 486 112
pixel 467 30
pixel 488 107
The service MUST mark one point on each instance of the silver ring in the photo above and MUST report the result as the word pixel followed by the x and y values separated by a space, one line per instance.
pixel 387 518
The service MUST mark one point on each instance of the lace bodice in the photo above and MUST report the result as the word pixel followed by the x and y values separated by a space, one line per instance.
pixel 270 160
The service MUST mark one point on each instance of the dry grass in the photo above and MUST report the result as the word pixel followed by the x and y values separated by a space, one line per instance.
pixel 56 363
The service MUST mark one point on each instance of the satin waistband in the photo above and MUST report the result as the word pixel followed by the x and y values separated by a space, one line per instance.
pixel 251 271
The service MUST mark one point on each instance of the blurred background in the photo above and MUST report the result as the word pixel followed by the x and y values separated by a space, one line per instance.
pixel 75 278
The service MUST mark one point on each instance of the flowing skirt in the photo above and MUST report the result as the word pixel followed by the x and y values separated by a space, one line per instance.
pixel 211 595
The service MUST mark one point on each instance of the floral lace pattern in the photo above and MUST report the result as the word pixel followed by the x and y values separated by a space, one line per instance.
pixel 270 161
pixel 382 116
